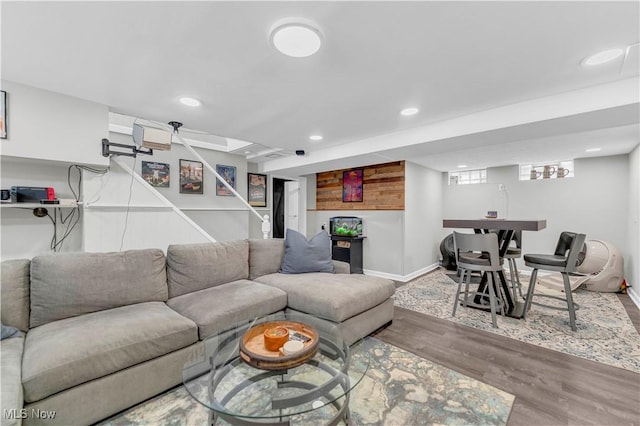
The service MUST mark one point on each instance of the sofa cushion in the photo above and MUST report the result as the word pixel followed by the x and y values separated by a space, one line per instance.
pixel 193 267
pixel 301 256
pixel 335 297
pixel 10 368
pixel 67 285
pixel 217 308
pixel 265 256
pixel 66 353
pixel 15 293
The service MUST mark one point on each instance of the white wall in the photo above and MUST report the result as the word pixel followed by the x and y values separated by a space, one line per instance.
pixel 47 132
pixel 422 218
pixel 122 212
pixel 399 244
pixel 594 202
pixel 22 234
pixel 50 126
pixel 632 252
pixel 110 227
pixel 382 250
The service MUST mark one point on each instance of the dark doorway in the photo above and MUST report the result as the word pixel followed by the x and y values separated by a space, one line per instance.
pixel 278 207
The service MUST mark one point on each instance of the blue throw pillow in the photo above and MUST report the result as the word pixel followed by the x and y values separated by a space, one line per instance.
pixel 302 256
pixel 8 331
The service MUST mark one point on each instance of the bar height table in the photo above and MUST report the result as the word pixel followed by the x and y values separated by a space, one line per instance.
pixel 506 229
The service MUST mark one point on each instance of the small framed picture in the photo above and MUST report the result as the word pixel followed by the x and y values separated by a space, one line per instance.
pixel 191 177
pixel 228 173
pixel 352 186
pixel 3 114
pixel 257 189
pixel 156 174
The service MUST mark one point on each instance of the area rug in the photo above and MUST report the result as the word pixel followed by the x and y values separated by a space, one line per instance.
pixel 399 389
pixel 605 332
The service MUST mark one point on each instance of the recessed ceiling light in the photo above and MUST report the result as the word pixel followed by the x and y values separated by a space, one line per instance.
pixel 409 111
pixel 192 102
pixel 602 57
pixel 315 137
pixel 296 37
pixel 462 166
pixel 593 149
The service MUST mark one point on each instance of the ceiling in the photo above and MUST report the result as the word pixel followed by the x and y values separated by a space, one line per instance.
pixel 496 83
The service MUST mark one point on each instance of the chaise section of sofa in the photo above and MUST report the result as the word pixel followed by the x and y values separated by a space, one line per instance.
pixel 208 284
pixel 358 304
pixel 98 320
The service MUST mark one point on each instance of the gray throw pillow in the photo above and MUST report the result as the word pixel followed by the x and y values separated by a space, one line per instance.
pixel 302 256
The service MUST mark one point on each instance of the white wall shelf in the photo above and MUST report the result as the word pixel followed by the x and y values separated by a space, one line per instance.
pixel 36 205
pixel 128 206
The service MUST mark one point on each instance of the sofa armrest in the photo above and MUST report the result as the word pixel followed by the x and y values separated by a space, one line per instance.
pixel 341 267
pixel 12 395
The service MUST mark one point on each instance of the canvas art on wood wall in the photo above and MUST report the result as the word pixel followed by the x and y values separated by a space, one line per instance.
pixel 352 186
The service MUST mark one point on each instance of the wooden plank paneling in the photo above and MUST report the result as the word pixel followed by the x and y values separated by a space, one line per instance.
pixel 382 188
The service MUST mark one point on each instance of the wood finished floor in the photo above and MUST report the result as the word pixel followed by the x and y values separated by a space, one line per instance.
pixel 551 388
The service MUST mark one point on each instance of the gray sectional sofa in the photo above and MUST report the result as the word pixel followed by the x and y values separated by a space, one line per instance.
pixel 106 331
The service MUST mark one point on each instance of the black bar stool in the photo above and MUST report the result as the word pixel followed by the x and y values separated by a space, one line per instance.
pixel 564 260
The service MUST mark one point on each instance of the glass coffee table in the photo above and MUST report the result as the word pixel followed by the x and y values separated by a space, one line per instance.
pixel 313 389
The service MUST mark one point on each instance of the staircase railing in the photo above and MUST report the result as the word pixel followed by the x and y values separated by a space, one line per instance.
pixel 266 225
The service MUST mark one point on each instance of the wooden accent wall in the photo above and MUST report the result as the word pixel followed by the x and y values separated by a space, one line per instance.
pixel 382 188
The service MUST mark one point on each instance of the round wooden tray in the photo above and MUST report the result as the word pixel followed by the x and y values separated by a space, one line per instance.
pixel 254 353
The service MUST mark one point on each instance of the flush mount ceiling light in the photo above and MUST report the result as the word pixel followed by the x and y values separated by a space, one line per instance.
pixel 409 111
pixel 315 137
pixel 296 37
pixel 592 150
pixel 462 166
pixel 192 102
pixel 602 57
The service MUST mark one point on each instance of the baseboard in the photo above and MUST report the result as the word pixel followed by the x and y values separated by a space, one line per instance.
pixel 402 278
pixel 634 296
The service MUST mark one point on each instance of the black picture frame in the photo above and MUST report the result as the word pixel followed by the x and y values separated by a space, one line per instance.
pixel 257 189
pixel 229 174
pixel 156 174
pixel 191 177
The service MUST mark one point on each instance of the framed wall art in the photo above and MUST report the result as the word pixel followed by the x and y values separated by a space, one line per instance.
pixel 156 174
pixel 3 114
pixel 228 173
pixel 352 186
pixel 191 177
pixel 257 189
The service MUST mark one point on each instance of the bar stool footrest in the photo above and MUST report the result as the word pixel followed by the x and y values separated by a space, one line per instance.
pixel 566 308
pixel 486 303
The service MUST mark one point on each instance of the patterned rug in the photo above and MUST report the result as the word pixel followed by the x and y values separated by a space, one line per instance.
pixel 605 332
pixel 399 389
